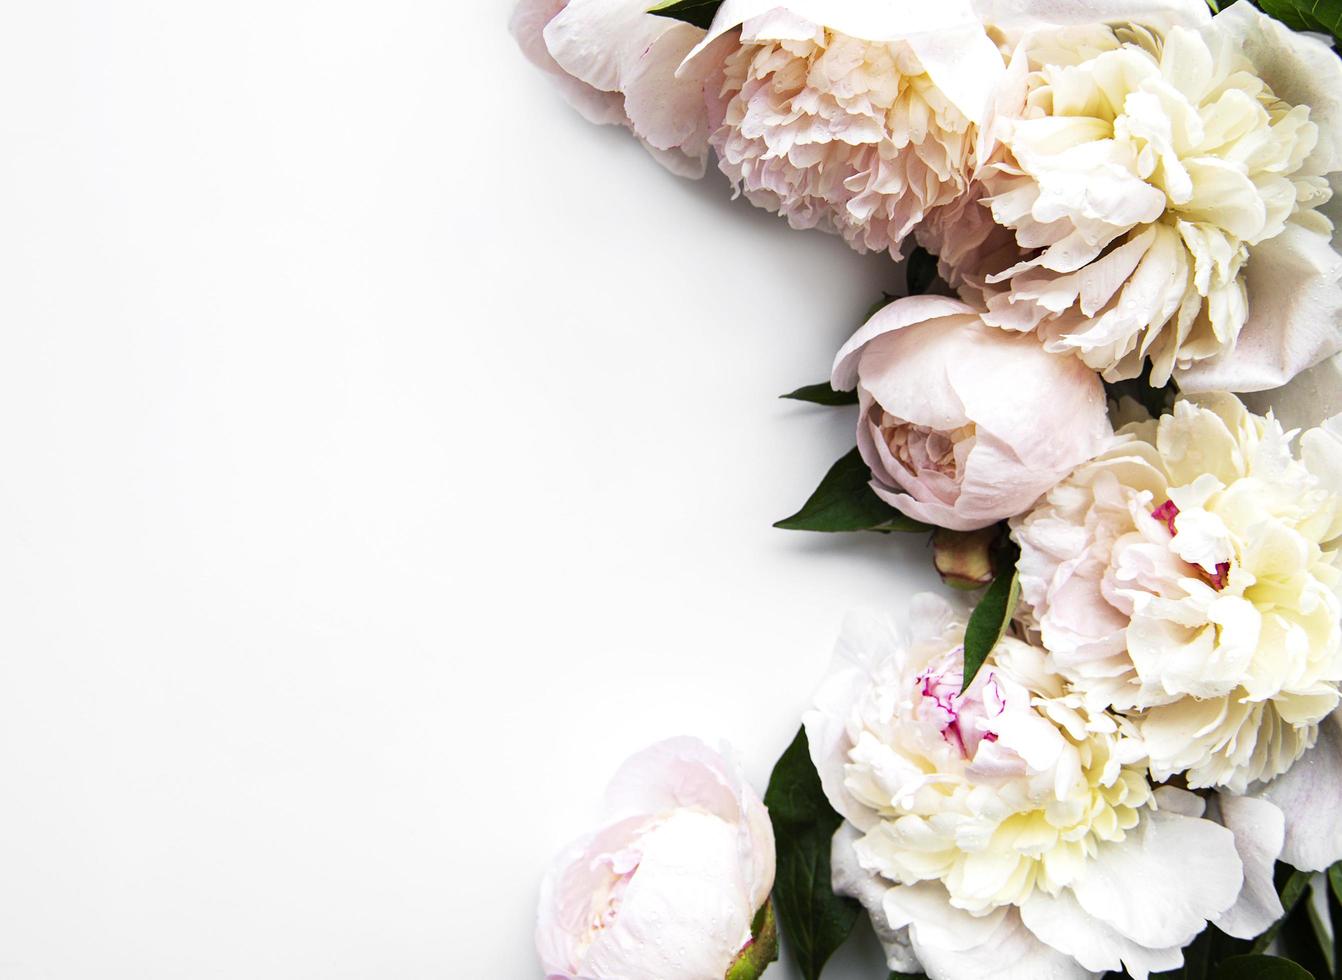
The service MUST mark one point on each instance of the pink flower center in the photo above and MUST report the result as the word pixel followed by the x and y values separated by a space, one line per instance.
pixel 1219 579
pixel 962 718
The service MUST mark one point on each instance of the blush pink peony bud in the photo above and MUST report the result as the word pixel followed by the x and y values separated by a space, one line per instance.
pixel 964 425
pixel 964 559
pixel 669 888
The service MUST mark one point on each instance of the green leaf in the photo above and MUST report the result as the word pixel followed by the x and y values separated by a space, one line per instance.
pixel 1292 887
pixel 921 271
pixel 991 617
pixel 697 12
pixel 762 949
pixel 822 394
pixel 1307 15
pixel 1255 967
pixel 844 501
pixel 815 920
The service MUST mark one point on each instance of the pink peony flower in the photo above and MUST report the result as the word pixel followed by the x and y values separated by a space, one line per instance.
pixel 849 117
pixel 964 425
pixel 618 65
pixel 667 889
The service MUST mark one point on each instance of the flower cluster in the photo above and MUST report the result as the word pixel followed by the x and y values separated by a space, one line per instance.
pixel 1110 754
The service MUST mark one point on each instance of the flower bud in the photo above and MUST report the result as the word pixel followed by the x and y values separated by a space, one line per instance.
pixel 964 559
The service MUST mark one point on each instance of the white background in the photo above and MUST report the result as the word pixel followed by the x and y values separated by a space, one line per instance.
pixel 385 453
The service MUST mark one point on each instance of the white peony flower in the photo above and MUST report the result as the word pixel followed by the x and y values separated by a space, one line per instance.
pixel 667 889
pixel 1009 831
pixel 1190 575
pixel 852 117
pixel 619 65
pixel 1165 185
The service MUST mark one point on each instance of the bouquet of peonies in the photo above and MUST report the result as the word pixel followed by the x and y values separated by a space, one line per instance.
pixel 1116 748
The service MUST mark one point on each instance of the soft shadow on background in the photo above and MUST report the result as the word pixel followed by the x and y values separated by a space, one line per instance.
pixel 388 454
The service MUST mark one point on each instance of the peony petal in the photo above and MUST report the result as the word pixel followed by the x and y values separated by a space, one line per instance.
pixel 954 945
pixel 864 642
pixel 1173 908
pixel 667 111
pixel 528 26
pixel 683 772
pixel 1307 795
pixel 1301 68
pixel 848 877
pixel 1060 922
pixel 1260 831
pixel 882 20
pixel 598 41
pixel 681 917
pixel 1295 317
pixel 894 316
pixel 1308 399
pixel 1026 15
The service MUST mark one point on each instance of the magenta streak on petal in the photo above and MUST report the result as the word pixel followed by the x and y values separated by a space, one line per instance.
pixel 947 703
pixel 1219 579
pixel 1167 512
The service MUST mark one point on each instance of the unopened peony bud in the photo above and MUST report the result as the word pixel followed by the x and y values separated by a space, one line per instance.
pixel 964 559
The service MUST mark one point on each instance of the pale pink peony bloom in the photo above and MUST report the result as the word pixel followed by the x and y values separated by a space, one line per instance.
pixel 668 888
pixel 854 118
pixel 964 425
pixel 1166 185
pixel 1002 832
pixel 619 65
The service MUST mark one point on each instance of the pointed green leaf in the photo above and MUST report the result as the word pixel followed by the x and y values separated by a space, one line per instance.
pixel 822 394
pixel 697 12
pixel 990 620
pixel 815 920
pixel 844 501
pixel 1255 967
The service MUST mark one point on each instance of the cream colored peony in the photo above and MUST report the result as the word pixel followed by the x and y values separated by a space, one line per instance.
pixel 1165 185
pixel 1190 576
pixel 1002 832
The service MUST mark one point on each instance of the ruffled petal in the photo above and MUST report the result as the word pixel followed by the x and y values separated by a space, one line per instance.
pixel 1260 832
pixel 1307 795
pixel 848 877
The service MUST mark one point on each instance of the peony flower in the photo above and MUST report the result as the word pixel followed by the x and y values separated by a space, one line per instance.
pixel 854 118
pixel 963 425
pixel 1009 831
pixel 1190 576
pixel 617 65
pixel 1165 185
pixel 668 888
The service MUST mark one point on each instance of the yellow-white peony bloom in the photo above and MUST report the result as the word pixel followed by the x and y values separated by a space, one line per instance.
pixel 1189 576
pixel 1003 831
pixel 1165 187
